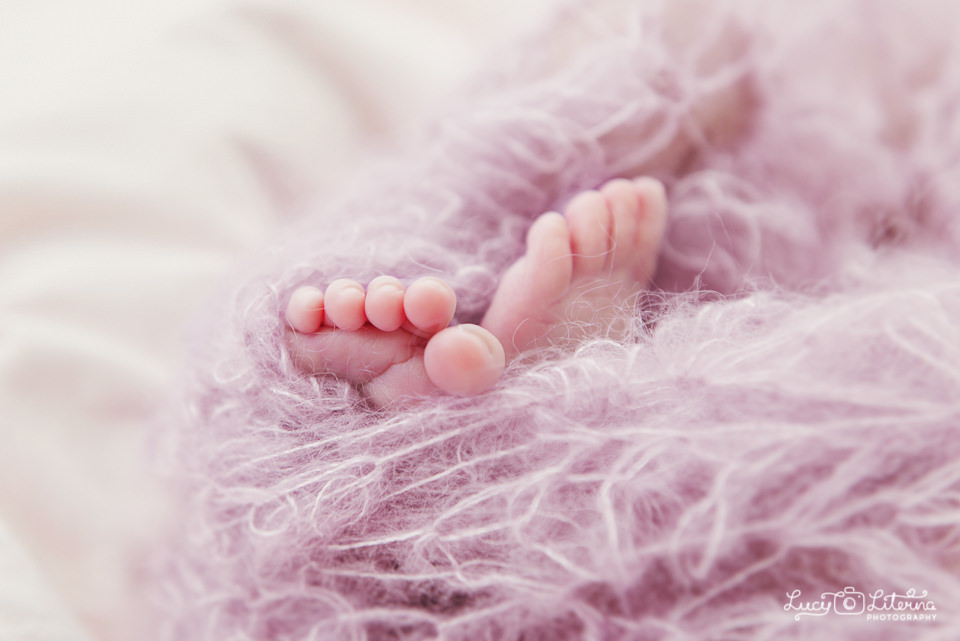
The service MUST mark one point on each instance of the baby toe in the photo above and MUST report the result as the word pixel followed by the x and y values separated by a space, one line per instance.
pixel 384 303
pixel 344 304
pixel 464 359
pixel 550 256
pixel 590 225
pixel 623 201
pixel 429 304
pixel 305 310
pixel 652 221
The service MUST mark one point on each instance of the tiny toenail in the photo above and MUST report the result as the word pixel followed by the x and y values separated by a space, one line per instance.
pixel 436 282
pixel 386 281
pixel 477 334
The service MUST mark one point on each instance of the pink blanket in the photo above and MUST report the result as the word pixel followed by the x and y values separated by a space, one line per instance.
pixel 775 456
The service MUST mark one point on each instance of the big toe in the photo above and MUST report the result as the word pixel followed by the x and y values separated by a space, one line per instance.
pixel 464 360
pixel 549 259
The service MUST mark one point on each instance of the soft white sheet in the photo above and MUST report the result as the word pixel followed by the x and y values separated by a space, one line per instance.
pixel 143 149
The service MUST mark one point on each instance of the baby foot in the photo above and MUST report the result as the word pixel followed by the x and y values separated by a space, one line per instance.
pixel 393 341
pixel 582 270
pixel 581 275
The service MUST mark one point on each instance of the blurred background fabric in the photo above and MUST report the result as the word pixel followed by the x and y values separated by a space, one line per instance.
pixel 144 149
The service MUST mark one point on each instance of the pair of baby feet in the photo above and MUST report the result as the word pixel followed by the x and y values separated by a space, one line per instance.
pixel 581 272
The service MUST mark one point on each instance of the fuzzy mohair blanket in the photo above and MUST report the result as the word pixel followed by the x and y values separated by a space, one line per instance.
pixel 773 454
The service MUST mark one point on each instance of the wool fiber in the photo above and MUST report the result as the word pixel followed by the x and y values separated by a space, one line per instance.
pixel 784 418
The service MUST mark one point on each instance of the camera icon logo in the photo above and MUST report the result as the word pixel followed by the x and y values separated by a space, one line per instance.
pixel 849 601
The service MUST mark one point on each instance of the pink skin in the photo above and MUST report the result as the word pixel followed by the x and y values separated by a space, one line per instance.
pixel 583 270
pixel 580 275
pixel 394 341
